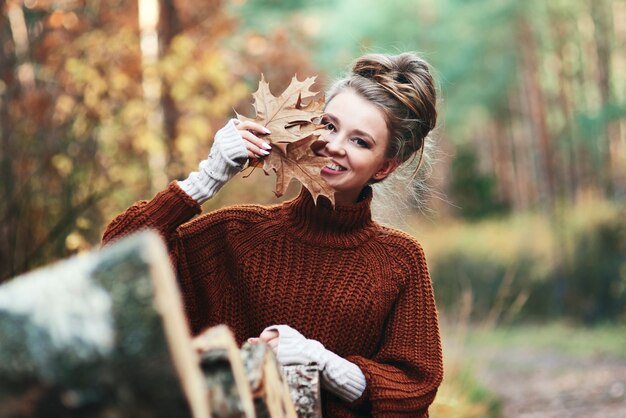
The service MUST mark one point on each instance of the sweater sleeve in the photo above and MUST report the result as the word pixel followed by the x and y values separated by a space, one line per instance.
pixel 404 375
pixel 165 212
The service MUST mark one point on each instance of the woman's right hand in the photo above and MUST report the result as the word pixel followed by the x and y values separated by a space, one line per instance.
pixel 233 146
pixel 251 133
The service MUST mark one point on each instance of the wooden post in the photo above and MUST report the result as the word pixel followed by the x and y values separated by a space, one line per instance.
pixel 98 335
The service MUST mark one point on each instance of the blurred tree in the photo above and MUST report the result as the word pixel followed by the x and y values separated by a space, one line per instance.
pixel 76 122
pixel 276 32
pixel 532 90
pixel 110 99
pixel 530 85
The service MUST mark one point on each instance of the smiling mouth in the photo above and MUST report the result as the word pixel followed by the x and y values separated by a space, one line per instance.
pixel 335 167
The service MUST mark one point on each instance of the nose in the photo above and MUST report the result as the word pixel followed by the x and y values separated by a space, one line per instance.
pixel 335 145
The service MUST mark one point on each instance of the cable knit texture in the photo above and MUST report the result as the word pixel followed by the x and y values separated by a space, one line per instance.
pixel 360 289
pixel 227 157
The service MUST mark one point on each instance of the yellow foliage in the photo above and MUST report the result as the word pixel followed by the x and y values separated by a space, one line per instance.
pixel 62 163
pixel 502 240
pixel 63 109
pixel 76 242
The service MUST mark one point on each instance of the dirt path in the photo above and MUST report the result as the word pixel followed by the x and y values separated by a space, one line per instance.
pixel 544 384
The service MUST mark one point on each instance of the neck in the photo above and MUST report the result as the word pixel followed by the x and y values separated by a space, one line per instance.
pixel 351 198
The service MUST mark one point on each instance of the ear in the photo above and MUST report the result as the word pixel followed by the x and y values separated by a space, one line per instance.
pixel 386 168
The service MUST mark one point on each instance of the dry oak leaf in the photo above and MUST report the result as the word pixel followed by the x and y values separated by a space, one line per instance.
pixel 279 114
pixel 295 127
pixel 298 162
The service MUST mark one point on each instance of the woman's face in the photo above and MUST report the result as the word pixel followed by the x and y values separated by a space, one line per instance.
pixel 356 145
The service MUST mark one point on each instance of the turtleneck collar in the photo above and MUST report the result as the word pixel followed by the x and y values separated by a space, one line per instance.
pixel 339 226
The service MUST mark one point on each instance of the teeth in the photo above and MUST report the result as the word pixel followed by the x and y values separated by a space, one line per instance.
pixel 335 167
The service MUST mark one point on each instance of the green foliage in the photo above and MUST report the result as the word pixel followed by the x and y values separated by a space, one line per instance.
pixel 600 340
pixel 592 128
pixel 461 396
pixel 596 273
pixel 533 267
pixel 471 190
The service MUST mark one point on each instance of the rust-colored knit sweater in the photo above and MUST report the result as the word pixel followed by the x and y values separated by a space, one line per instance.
pixel 361 289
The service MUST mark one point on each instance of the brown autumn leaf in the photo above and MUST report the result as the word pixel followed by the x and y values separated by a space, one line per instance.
pixel 298 163
pixel 295 127
pixel 278 114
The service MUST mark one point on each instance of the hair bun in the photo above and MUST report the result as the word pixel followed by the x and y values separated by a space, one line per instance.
pixel 371 66
pixel 379 67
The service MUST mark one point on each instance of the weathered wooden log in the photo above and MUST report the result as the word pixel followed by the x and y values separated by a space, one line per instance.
pixel 224 374
pixel 99 335
pixel 250 381
pixel 303 381
pixel 269 388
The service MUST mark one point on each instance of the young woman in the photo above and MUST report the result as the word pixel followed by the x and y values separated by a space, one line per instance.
pixel 316 282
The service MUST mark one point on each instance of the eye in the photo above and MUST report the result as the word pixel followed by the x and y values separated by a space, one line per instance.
pixel 329 125
pixel 361 142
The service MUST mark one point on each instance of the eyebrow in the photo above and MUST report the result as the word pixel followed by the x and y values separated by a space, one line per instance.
pixel 335 121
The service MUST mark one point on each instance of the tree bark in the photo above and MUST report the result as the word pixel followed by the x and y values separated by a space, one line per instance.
pixel 269 387
pixel 169 27
pixel 104 335
pixel 303 381
pixel 224 374
pixel 601 15
pixel 251 383
pixel 89 337
pixel 537 111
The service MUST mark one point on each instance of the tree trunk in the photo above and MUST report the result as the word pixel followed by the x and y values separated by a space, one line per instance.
pixel 537 111
pixel 525 193
pixel 603 31
pixel 89 337
pixel 151 83
pixel 169 27
pixel 560 33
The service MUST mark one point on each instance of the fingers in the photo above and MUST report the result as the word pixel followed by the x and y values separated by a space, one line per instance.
pixel 272 343
pixel 253 126
pixel 257 147
pixel 268 337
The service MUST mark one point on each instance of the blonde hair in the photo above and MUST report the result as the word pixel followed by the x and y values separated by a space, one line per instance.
pixel 403 88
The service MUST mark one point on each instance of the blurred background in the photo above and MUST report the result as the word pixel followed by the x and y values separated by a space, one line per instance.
pixel 104 102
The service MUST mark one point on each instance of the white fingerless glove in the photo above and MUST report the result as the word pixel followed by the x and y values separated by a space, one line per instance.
pixel 340 376
pixel 227 157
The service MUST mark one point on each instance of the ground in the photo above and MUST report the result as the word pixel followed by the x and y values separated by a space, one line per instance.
pixel 547 383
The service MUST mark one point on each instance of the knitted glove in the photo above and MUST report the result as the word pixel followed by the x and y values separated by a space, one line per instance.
pixel 227 157
pixel 340 376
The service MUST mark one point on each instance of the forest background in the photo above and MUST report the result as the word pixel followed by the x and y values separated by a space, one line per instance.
pixel 102 103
